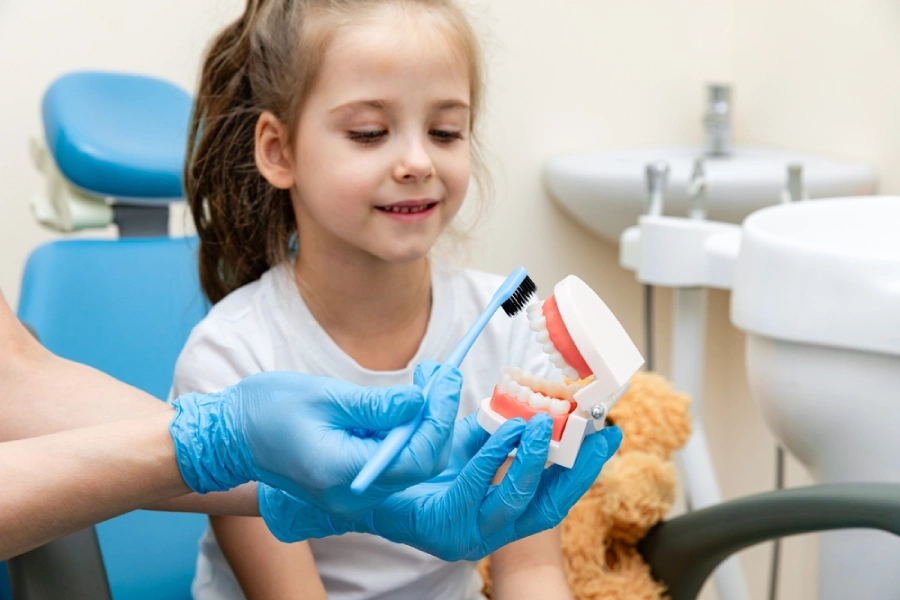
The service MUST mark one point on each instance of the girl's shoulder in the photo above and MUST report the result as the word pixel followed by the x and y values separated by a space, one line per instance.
pixel 239 317
pixel 226 345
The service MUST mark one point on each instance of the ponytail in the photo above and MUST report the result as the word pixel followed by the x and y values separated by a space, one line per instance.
pixel 243 222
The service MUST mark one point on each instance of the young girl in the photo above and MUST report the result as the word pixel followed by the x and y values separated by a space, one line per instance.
pixel 348 124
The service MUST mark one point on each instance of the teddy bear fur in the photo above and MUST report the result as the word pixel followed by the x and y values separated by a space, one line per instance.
pixel 634 492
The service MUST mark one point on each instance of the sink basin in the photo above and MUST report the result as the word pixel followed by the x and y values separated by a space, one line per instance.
pixel 608 191
pixel 825 272
pixel 817 290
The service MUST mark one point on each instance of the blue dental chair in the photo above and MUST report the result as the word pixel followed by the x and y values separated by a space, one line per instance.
pixel 114 153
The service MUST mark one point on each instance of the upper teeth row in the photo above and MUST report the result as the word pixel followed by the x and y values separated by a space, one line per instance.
pixel 538 324
pixel 405 209
pixel 554 389
pixel 536 400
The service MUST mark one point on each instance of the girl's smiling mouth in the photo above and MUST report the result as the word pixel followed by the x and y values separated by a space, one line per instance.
pixel 409 210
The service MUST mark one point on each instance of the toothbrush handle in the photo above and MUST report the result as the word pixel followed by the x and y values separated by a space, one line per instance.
pixel 398 437
pixel 462 348
pixel 507 289
pixel 391 446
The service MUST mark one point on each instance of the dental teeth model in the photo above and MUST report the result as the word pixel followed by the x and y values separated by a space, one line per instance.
pixel 581 336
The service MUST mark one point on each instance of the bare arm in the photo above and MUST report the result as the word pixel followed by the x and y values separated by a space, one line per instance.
pixel 121 459
pixel 266 568
pixel 56 484
pixel 239 502
pixel 41 393
pixel 531 567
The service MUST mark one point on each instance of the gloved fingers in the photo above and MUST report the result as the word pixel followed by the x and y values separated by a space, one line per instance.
pixel 474 480
pixel 290 519
pixel 468 438
pixel 429 447
pixel 424 371
pixel 373 409
pixel 509 499
pixel 561 488
pixel 613 437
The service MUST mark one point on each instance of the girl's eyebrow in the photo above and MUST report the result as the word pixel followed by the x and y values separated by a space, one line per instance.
pixel 449 104
pixel 445 104
pixel 357 104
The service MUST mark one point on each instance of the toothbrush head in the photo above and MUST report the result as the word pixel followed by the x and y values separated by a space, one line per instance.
pixel 520 298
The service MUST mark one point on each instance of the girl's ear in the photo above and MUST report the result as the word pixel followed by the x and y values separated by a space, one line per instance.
pixel 272 152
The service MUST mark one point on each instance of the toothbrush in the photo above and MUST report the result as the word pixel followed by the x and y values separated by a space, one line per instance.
pixel 513 295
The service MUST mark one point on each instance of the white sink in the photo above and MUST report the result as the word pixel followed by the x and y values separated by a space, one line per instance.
pixel 817 290
pixel 608 191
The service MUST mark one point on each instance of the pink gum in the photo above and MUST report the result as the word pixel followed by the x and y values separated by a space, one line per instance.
pixel 510 407
pixel 561 339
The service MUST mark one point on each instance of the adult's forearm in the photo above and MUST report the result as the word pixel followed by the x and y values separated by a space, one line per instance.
pixel 60 483
pixel 41 393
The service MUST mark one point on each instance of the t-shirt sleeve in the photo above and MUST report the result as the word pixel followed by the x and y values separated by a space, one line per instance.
pixel 211 360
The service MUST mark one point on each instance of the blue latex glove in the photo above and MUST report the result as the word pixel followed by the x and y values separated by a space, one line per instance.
pixel 311 435
pixel 460 515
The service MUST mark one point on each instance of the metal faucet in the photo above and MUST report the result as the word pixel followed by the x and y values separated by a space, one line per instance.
pixel 717 120
pixel 794 189
pixel 657 180
pixel 697 191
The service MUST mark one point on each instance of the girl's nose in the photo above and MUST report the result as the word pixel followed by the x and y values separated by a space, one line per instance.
pixel 414 163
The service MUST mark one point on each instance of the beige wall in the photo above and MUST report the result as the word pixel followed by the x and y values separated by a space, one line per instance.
pixel 567 75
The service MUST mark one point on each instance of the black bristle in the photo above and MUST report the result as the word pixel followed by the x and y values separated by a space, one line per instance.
pixel 520 298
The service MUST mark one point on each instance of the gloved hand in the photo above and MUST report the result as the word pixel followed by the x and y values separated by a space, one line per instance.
pixel 311 435
pixel 460 515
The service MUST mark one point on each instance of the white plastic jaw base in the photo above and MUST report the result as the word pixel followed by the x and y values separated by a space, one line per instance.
pixel 591 397
pixel 609 353
pixel 602 342
pixel 562 453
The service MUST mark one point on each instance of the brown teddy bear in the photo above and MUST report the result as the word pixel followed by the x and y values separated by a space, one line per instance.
pixel 635 491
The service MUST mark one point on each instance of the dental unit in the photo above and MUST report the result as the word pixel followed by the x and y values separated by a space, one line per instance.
pixel 687 255
pixel 584 339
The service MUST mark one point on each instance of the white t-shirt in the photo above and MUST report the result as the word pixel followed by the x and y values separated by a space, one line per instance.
pixel 266 326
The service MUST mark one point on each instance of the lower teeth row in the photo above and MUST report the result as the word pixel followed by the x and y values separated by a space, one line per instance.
pixel 535 399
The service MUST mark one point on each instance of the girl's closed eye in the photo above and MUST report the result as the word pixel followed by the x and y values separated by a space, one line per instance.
pixel 445 136
pixel 366 137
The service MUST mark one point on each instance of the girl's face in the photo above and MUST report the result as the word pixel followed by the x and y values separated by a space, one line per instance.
pixel 380 162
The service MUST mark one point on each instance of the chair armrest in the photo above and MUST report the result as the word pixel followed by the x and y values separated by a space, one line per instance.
pixel 68 567
pixel 684 551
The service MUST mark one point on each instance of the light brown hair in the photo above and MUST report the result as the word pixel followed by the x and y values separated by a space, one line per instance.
pixel 268 60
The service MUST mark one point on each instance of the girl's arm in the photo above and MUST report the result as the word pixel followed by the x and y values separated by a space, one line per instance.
pixel 531 567
pixel 213 359
pixel 265 567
